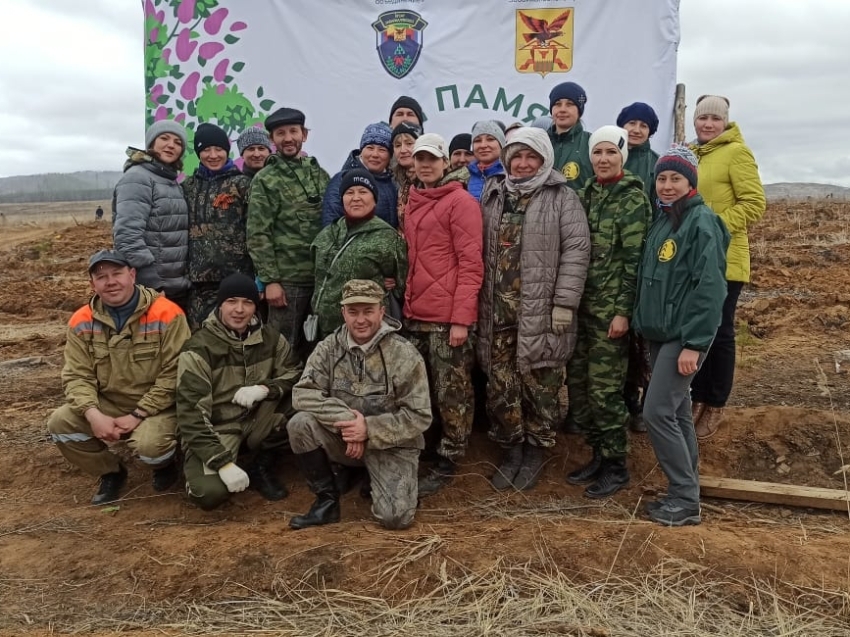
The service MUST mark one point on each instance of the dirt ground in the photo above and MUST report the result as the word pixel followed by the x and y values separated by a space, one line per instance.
pixel 154 565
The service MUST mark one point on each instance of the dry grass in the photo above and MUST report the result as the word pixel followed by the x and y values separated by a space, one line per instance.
pixel 508 600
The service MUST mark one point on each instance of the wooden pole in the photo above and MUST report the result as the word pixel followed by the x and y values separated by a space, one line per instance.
pixel 774 493
pixel 679 112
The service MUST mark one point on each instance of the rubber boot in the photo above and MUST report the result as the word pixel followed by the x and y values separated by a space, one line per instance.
pixel 589 472
pixel 320 478
pixel 439 476
pixel 264 478
pixel 110 486
pixel 531 467
pixel 505 474
pixel 613 476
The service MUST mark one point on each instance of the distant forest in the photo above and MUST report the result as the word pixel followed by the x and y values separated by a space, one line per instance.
pixel 48 187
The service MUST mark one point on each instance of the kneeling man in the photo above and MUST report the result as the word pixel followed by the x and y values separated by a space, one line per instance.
pixel 363 400
pixel 119 375
pixel 234 385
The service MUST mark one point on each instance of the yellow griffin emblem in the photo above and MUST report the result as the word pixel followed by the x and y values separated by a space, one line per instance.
pixel 571 170
pixel 544 40
pixel 667 251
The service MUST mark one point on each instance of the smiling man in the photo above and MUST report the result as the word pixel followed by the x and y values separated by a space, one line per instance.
pixel 234 385
pixel 363 400
pixel 254 146
pixel 119 378
pixel 284 216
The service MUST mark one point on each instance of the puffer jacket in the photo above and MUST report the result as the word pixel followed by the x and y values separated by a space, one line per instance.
pixel 555 254
pixel 136 367
pixel 443 230
pixel 386 208
pixel 384 379
pixel 218 209
pixel 214 364
pixel 375 252
pixel 730 184
pixel 478 177
pixel 151 223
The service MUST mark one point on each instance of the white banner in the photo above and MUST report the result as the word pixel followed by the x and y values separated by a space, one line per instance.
pixel 344 62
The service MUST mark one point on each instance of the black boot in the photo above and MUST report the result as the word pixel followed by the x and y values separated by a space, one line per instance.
pixel 505 474
pixel 531 467
pixel 264 478
pixel 165 477
pixel 636 423
pixel 612 477
pixel 325 510
pixel 110 486
pixel 439 476
pixel 589 472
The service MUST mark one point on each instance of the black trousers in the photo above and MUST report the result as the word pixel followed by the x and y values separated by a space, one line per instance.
pixel 713 382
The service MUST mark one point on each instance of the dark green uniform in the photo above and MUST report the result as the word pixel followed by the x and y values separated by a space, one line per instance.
pixel 572 155
pixel 618 216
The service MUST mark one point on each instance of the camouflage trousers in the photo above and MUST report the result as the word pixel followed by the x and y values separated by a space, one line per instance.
pixel 596 375
pixel 289 320
pixel 521 405
pixel 449 378
pixel 202 301
pixel 393 472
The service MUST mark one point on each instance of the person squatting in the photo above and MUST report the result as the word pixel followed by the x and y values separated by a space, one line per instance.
pixel 361 320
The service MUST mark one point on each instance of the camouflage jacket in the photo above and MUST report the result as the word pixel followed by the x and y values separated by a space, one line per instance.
pixel 384 379
pixel 213 365
pixel 376 252
pixel 618 215
pixel 218 208
pixel 284 216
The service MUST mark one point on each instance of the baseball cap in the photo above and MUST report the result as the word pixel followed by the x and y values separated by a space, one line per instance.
pixel 111 256
pixel 433 144
pixel 361 291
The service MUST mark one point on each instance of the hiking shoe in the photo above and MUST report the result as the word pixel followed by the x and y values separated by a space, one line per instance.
pixel 110 486
pixel 709 422
pixel 653 505
pixel 439 476
pixel 613 476
pixel 589 472
pixel 165 477
pixel 507 470
pixel 670 515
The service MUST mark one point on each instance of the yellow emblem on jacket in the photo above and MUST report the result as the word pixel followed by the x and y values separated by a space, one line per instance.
pixel 667 251
pixel 571 170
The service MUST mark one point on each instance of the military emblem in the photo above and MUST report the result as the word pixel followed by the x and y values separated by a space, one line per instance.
pixel 544 40
pixel 667 251
pixel 399 44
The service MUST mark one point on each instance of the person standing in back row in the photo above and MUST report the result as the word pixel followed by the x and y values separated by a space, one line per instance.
pixel 284 216
pixel 730 184
pixel 569 139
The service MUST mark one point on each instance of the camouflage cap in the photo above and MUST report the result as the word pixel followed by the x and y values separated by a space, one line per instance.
pixel 361 291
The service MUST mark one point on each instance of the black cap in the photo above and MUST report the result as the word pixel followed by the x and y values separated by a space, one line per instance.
pixel 110 256
pixel 407 128
pixel 237 285
pixel 210 135
pixel 358 177
pixel 460 142
pixel 407 102
pixel 284 117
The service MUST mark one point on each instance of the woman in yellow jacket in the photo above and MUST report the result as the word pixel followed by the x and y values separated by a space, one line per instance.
pixel 730 185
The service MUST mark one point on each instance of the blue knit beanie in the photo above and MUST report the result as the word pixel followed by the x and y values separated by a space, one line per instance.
pixel 641 112
pixel 681 160
pixel 568 91
pixel 379 134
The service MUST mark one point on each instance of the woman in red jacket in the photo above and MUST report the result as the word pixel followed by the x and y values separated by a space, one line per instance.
pixel 443 229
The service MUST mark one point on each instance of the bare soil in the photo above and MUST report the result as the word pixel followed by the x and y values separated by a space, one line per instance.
pixel 68 567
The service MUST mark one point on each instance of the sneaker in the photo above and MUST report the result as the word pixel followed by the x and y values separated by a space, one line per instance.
pixel 670 515
pixel 165 477
pixel 110 486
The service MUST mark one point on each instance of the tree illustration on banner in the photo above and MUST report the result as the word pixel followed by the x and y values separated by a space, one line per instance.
pixel 189 76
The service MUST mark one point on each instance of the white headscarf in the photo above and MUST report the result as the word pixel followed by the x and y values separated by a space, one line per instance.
pixel 538 141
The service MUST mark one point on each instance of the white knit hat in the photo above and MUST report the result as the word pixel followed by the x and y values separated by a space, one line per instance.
pixel 712 105
pixel 614 134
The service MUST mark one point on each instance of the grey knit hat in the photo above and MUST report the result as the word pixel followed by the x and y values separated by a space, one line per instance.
pixel 253 137
pixel 489 127
pixel 165 126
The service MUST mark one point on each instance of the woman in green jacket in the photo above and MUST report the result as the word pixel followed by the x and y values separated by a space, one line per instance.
pixel 680 297
pixel 730 185
pixel 358 245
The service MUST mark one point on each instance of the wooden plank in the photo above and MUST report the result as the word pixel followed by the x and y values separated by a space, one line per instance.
pixel 774 493
pixel 679 113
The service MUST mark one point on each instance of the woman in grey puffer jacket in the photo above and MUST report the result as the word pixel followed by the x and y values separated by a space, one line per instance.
pixel 149 214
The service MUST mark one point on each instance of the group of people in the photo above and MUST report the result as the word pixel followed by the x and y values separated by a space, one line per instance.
pixel 344 316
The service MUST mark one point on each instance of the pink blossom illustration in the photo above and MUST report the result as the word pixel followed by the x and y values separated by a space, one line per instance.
pixel 213 23
pixel 161 113
pixel 156 91
pixel 185 47
pixel 220 70
pixel 209 50
pixel 186 11
pixel 190 86
pixel 238 26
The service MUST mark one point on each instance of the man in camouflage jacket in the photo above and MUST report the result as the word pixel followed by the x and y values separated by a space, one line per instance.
pixel 234 380
pixel 363 400
pixel 284 216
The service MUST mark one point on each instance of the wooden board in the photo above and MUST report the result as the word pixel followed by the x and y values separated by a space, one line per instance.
pixel 773 493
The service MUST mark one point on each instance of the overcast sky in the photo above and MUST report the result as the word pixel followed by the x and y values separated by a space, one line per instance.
pixel 72 91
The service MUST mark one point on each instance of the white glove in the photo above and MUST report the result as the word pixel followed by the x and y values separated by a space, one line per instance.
pixel 233 477
pixel 562 318
pixel 247 396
